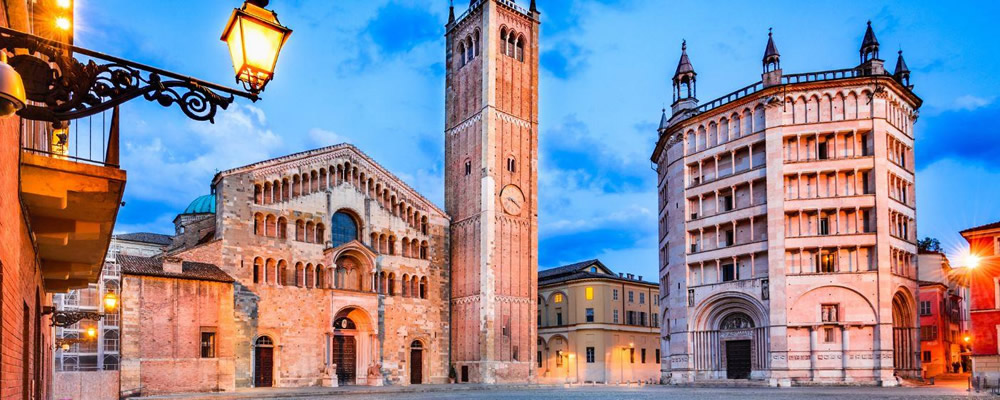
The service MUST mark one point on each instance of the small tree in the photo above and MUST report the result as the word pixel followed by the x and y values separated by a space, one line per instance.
pixel 929 244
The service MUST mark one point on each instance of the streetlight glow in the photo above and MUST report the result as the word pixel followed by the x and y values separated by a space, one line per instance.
pixel 63 23
pixel 91 332
pixel 110 302
pixel 64 3
pixel 255 38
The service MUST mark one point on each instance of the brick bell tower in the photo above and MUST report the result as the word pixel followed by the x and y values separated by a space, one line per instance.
pixel 491 186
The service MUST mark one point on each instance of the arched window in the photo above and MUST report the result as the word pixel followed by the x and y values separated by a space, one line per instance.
pixel 282 228
pixel 257 194
pixel 282 273
pixel 511 164
pixel 300 230
pixel 343 229
pixel 267 193
pixel 476 35
pixel 269 269
pixel 392 245
pixel 311 232
pixel 299 271
pixel 258 267
pixel 423 225
pixel 264 341
pixel 258 224
pixel 320 277
pixel 520 48
pixel 414 289
pixel 270 226
pixel 391 284
pixel 468 168
pixel 470 49
pixel 310 275
pixel 461 54
pixel 503 40
pixel 511 44
pixel 285 189
pixel 406 285
pixel 423 250
pixel 406 247
pixel 423 287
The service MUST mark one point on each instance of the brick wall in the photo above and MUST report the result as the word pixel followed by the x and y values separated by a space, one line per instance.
pixel 162 322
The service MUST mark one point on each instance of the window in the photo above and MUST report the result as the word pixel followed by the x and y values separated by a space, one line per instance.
pixel 728 272
pixel 558 298
pixel 928 332
pixel 539 358
pixel 828 335
pixel 511 165
pixel 343 229
pixel 728 239
pixel 826 261
pixel 590 315
pixel 208 345
pixel 642 318
pixel 593 270
pixel 829 313
pixel 926 357
pixel 614 295
pixel 657 356
pixel 630 317
pixel 727 203
pixel 642 298
pixel 513 353
pixel 631 296
pixel 824 226
pixel 590 293
pixel 642 355
pixel 631 356
pixel 615 316
pixel 590 355
pixel 559 317
pixel 468 168
pixel 925 308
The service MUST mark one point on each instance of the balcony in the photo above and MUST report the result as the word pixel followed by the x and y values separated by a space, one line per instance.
pixel 71 194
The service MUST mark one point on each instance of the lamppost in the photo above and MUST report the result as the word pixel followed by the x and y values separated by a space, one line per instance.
pixel 65 343
pixel 64 319
pixel 61 88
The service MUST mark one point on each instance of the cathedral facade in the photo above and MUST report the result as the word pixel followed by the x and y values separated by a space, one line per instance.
pixel 322 268
pixel 787 226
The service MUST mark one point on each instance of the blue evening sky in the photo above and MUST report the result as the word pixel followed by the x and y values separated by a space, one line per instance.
pixel 370 72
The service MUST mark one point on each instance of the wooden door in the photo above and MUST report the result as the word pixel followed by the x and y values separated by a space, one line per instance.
pixel 738 359
pixel 416 366
pixel 264 367
pixel 345 356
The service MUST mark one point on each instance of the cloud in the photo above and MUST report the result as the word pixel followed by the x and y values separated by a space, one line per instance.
pixel 323 138
pixel 398 28
pixel 970 103
pixel 174 169
pixel 565 59
pixel 967 133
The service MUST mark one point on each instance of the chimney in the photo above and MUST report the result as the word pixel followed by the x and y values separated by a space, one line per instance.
pixel 172 265
pixel 640 278
pixel 621 275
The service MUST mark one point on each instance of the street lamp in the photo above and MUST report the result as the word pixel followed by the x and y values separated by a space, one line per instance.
pixel 43 81
pixel 255 38
pixel 63 319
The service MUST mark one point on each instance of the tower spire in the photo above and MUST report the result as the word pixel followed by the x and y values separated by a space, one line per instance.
pixel 451 12
pixel 771 62
pixel 664 122
pixel 685 93
pixel 902 72
pixel 533 7
pixel 869 45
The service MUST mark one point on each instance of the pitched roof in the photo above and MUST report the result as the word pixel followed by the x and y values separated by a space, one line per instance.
pixel 664 121
pixel 771 49
pixel 869 39
pixel 342 147
pixel 580 270
pixel 684 64
pixel 900 65
pixel 153 266
pixel 146 237
pixel 993 225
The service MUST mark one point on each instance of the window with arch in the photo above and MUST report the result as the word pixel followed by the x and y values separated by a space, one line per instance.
pixel 461 54
pixel 519 55
pixel 511 164
pixel 343 228
pixel 558 298
pixel 468 167
pixel 423 287
pixel 258 265
pixel 503 40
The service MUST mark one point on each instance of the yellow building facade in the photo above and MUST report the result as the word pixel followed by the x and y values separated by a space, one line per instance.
pixel 596 326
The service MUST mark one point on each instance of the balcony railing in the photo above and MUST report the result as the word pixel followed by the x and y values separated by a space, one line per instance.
pixel 90 140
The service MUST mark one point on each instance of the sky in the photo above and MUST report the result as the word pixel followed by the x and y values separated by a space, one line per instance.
pixel 371 73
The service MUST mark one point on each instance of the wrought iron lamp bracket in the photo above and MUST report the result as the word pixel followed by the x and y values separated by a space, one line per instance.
pixel 64 319
pixel 61 88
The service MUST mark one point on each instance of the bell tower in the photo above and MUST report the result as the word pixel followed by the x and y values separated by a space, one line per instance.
pixel 491 185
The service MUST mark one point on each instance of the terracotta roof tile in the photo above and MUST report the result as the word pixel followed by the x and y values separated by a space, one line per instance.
pixel 153 266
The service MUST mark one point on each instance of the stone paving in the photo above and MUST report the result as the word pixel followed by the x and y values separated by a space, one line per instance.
pixel 466 392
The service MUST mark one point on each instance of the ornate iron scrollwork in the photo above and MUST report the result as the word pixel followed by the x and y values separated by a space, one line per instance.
pixel 63 319
pixel 63 88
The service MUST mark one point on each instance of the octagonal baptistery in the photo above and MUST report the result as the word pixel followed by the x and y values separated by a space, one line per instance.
pixel 341 270
pixel 787 227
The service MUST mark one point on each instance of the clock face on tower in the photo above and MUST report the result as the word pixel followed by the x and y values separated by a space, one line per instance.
pixel 512 199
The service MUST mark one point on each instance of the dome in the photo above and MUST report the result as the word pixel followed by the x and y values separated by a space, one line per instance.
pixel 202 205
